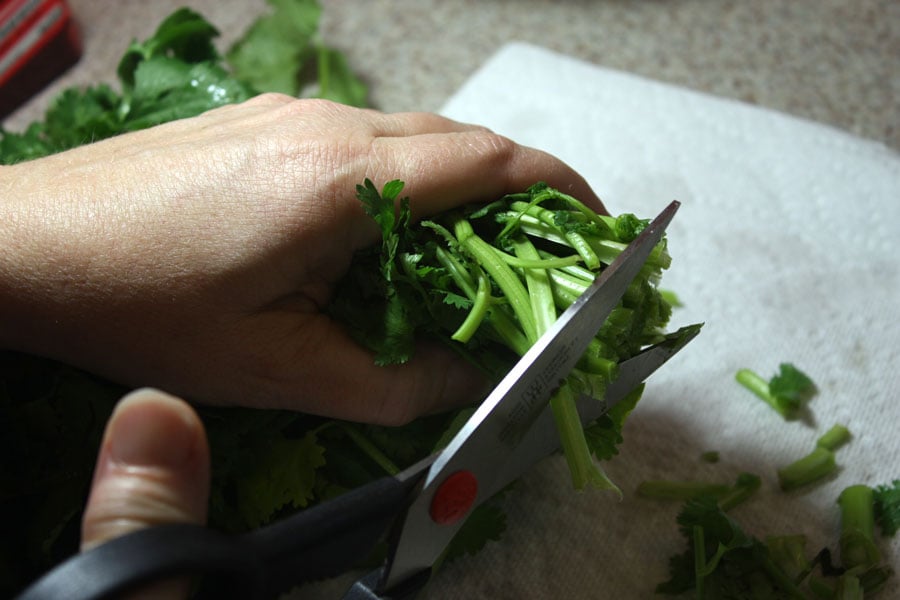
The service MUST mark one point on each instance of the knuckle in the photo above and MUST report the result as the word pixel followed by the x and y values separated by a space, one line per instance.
pixel 270 99
pixel 490 148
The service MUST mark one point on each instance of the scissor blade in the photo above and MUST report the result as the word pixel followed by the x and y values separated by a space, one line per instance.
pixel 495 430
pixel 542 439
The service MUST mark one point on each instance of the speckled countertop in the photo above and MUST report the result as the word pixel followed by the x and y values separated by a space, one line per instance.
pixel 831 61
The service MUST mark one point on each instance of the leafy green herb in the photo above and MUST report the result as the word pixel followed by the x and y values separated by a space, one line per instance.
pixel 605 434
pixel 398 325
pixel 721 560
pixel 174 74
pixel 179 73
pixel 486 523
pixel 283 52
pixel 274 48
pixel 284 478
pixel 518 261
pixel 887 507
pixel 787 392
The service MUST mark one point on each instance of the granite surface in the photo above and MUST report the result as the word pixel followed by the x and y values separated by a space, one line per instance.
pixel 831 61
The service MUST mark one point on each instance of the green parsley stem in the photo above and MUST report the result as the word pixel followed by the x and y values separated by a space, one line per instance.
pixel 814 466
pixel 537 282
pixel 834 438
pixel 480 305
pixel 699 539
pixel 537 262
pixel 370 449
pixel 574 239
pixel 857 541
pixel 759 386
pixel 574 444
pixel 461 276
pixel 680 490
pixel 569 283
pixel 509 283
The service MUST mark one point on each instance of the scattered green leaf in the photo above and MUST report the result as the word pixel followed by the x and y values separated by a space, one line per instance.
pixel 787 392
pixel 887 507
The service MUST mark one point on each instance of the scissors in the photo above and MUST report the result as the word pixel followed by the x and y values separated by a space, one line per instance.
pixel 418 511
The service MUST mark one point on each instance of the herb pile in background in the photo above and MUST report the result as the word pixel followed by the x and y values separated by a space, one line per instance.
pixel 179 73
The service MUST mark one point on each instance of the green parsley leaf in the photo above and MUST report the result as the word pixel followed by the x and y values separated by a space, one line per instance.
pixel 605 434
pixel 721 560
pixel 168 89
pixel 791 386
pixel 74 117
pixel 486 523
pixel 787 392
pixel 628 227
pixel 283 52
pixel 887 507
pixel 336 80
pixel 284 477
pixel 457 300
pixel 184 35
pixel 277 46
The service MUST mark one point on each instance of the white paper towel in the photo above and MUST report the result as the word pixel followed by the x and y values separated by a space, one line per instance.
pixel 786 246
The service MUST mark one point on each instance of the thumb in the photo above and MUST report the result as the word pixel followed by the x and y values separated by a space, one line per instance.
pixel 153 468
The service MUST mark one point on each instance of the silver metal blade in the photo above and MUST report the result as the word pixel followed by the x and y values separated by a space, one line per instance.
pixel 496 429
pixel 542 439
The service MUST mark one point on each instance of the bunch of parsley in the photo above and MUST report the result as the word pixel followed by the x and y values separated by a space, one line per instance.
pixel 490 279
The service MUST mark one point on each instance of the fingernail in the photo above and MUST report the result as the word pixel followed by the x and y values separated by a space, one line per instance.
pixel 149 428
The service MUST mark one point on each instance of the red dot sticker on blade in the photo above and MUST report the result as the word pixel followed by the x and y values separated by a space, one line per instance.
pixel 453 498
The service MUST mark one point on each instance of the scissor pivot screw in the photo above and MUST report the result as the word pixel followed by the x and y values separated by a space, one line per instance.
pixel 454 498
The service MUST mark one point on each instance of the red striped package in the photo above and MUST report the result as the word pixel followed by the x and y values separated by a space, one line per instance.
pixel 38 41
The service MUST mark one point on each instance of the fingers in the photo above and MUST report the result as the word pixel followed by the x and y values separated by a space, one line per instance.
pixel 446 170
pixel 444 163
pixel 417 123
pixel 325 372
pixel 153 468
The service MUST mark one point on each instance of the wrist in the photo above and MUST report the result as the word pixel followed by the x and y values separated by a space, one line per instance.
pixel 14 304
pixel 34 261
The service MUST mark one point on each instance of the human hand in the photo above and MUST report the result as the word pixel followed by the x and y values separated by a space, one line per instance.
pixel 152 469
pixel 197 256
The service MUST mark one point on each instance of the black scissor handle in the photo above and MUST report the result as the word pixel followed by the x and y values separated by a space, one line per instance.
pixel 319 542
pixel 148 555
